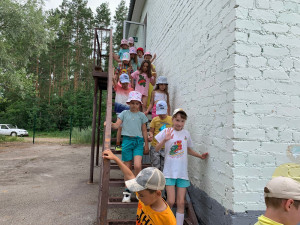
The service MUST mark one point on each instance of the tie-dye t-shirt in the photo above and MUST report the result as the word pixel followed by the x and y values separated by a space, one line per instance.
pixel 121 98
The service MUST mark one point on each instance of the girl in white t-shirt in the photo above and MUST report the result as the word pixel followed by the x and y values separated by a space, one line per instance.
pixel 178 145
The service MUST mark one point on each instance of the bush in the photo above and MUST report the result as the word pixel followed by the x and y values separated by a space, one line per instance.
pixel 83 136
pixel 10 139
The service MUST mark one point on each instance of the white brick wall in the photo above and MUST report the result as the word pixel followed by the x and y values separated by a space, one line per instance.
pixel 234 66
pixel 266 94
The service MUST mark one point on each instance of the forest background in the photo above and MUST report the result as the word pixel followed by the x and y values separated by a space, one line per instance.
pixel 46 62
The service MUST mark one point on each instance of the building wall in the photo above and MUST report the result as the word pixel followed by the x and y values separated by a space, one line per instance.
pixel 266 96
pixel 233 65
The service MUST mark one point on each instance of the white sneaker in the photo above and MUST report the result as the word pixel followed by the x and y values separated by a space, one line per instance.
pixel 126 197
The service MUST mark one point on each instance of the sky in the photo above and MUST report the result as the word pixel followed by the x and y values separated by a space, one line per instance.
pixel 93 4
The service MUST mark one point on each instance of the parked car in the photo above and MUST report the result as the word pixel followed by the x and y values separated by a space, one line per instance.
pixel 8 129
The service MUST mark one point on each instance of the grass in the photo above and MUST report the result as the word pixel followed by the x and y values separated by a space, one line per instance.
pixel 10 139
pixel 82 137
pixel 50 134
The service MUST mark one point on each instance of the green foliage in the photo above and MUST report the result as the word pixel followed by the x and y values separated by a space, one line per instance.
pixel 102 19
pixel 82 136
pixel 10 139
pixel 119 17
pixel 46 63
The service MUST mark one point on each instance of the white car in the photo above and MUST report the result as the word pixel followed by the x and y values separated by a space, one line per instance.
pixel 8 129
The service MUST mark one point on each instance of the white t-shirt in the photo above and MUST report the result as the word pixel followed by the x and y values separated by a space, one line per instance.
pixel 176 160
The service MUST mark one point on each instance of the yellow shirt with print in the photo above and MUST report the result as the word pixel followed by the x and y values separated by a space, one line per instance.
pixel 262 220
pixel 145 215
pixel 159 125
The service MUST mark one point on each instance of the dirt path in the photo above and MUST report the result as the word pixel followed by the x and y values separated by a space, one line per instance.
pixel 46 183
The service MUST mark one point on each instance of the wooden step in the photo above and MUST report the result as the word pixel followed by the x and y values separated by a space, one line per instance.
pixel 121 222
pixel 116 202
pixel 116 182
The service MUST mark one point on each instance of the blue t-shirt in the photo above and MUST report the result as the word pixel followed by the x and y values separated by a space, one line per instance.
pixel 132 123
pixel 122 51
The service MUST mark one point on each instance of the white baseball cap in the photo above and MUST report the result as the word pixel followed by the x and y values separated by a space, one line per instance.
pixel 161 108
pixel 178 110
pixel 283 187
pixel 124 78
pixel 148 178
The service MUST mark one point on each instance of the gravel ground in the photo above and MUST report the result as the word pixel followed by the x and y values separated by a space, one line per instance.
pixel 46 183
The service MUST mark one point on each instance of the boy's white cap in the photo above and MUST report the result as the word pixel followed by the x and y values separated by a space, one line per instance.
pixel 162 80
pixel 161 108
pixel 283 187
pixel 124 78
pixel 149 178
pixel 178 110
pixel 134 95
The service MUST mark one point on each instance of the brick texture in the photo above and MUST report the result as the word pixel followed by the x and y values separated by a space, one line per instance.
pixel 234 66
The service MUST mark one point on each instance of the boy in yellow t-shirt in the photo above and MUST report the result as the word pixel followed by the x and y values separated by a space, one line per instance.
pixel 158 124
pixel 282 197
pixel 152 208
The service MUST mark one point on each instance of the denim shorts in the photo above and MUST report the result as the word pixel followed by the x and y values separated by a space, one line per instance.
pixel 132 146
pixel 177 182
pixel 120 107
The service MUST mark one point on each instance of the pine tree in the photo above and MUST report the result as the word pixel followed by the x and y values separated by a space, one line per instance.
pixel 119 17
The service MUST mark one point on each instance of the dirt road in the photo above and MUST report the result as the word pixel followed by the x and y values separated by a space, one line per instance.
pixel 46 183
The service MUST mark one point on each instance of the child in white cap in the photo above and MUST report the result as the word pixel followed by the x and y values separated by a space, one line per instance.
pixel 282 198
pixel 148 184
pixel 178 144
pixel 134 132
pixel 159 123
pixel 160 93
pixel 122 93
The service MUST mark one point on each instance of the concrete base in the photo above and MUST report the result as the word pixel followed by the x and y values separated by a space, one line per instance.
pixel 210 212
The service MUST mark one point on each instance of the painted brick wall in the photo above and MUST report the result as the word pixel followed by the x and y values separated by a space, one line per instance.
pixel 234 65
pixel 194 43
pixel 266 97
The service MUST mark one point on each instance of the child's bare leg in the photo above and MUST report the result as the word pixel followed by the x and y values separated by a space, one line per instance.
pixel 180 199
pixel 119 135
pixel 170 195
pixel 137 164
pixel 144 100
pixel 128 164
pixel 180 205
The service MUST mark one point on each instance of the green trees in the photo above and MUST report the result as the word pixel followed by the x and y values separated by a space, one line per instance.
pixel 46 62
pixel 119 17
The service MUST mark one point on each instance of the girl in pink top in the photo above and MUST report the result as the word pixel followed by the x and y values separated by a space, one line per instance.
pixel 142 78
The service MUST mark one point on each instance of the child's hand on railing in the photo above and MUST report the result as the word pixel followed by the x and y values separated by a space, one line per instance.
pixel 107 154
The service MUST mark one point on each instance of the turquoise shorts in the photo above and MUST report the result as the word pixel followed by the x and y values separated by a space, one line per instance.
pixel 177 182
pixel 132 146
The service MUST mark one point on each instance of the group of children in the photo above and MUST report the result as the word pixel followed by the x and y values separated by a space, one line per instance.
pixel 170 146
pixel 170 143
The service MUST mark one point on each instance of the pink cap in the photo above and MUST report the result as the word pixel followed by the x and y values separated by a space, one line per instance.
pixel 132 50
pixel 134 95
pixel 131 40
pixel 124 42
pixel 147 53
